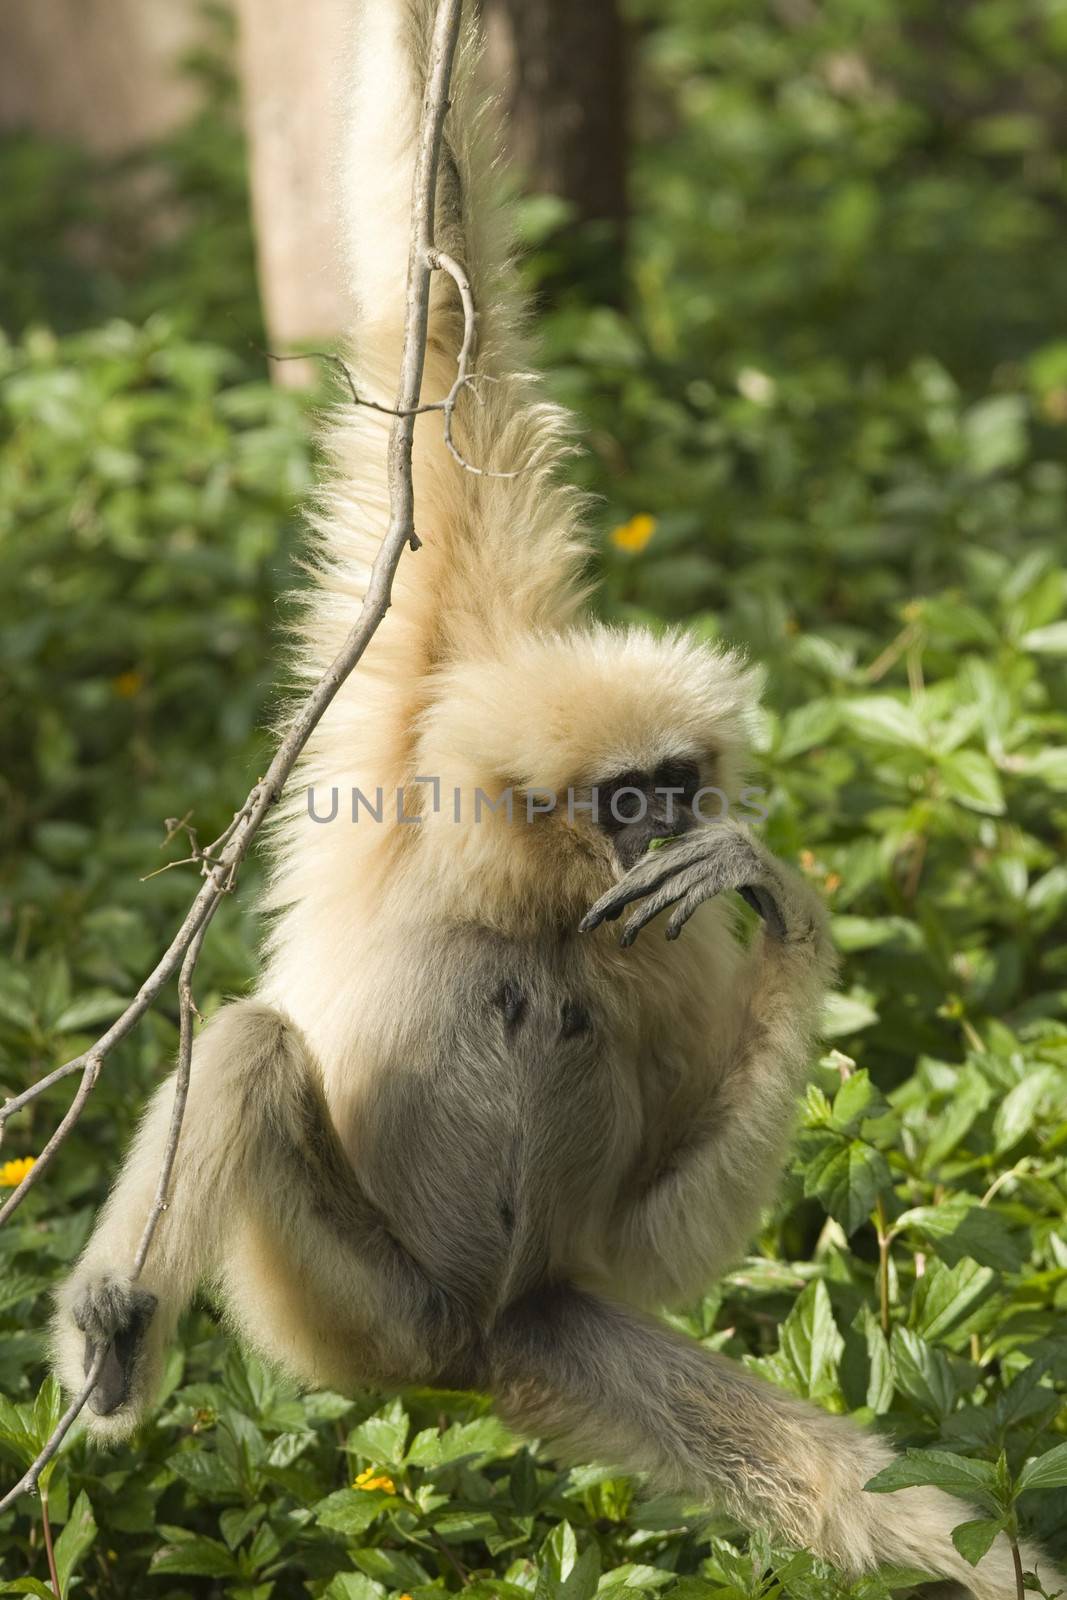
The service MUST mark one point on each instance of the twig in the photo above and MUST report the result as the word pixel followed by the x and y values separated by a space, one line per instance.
pixel 228 852
pixel 46 1529
pixel 445 263
pixel 885 1239
pixel 438 260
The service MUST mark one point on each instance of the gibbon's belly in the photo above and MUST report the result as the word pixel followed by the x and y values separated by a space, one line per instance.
pixel 515 1105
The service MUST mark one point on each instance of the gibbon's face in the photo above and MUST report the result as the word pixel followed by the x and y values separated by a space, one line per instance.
pixel 635 807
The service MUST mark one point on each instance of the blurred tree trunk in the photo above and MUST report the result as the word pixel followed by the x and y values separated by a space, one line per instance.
pixel 292 59
pixel 561 65
pixel 103 73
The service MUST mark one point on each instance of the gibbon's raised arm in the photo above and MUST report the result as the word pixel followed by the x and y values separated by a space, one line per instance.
pixel 464 1132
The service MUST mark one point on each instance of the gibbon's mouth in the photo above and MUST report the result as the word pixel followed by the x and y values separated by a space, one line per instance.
pixel 637 838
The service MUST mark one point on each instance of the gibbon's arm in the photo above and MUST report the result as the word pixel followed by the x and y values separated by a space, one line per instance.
pixel 265 1206
pixel 701 1209
pixel 605 1383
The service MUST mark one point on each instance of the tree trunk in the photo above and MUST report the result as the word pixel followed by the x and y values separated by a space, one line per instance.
pixel 561 66
pixel 102 73
pixel 292 66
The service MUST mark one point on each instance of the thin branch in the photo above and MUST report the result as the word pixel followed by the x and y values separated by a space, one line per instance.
pixel 222 859
pixel 46 1529
pixel 186 1011
pixel 342 366
pixel 440 260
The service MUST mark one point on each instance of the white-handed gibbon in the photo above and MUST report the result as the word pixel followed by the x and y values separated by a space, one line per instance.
pixel 463 1134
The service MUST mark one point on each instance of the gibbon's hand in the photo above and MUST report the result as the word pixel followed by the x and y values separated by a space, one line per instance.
pixel 110 1310
pixel 689 871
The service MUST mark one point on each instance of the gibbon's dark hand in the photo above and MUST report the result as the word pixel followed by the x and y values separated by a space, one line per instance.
pixel 114 1312
pixel 689 871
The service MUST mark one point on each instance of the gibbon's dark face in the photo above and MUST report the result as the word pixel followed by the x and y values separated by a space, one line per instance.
pixel 633 808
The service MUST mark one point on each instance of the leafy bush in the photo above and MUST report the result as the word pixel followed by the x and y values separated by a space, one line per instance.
pixel 829 427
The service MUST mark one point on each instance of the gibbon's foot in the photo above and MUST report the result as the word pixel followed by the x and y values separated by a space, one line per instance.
pixel 112 1311
pixel 693 869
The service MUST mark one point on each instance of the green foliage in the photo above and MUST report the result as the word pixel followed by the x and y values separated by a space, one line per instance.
pixel 829 427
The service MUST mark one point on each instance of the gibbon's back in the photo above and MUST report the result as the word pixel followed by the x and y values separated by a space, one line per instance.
pixel 502 556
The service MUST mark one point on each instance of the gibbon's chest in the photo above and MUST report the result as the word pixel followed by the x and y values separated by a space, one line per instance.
pixel 534 1079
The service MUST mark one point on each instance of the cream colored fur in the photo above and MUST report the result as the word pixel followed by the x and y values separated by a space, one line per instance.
pixel 658 1149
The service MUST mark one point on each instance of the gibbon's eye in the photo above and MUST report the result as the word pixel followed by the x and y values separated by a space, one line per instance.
pixel 678 774
pixel 617 804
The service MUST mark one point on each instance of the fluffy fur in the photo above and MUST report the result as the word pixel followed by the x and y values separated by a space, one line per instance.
pixel 452 1138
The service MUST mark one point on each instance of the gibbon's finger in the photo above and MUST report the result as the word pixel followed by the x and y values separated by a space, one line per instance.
pixel 670 892
pixel 757 896
pixel 650 873
pixel 680 916
pixel 762 899
pixel 634 886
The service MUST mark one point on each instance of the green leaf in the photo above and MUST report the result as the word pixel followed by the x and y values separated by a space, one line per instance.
pixel 960 1228
pixel 1046 1472
pixel 1050 641
pixel 381 1438
pixel 562 1573
pixel 856 1100
pixel 923 1372
pixel 395 1568
pixel 971 779
pixel 207 1473
pixel 995 435
pixel 17 1431
pixel 47 1409
pixel 98 1005
pixel 846 1013
pixel 880 1380
pixel 847 1177
pixel 194 1556
pixel 958 1475
pixel 883 720
pixel 481 1437
pixel 810 724
pixel 1050 767
pixel 236 1523
pixel 75 1539
pixel 973 1539
pixel 1017 1112
pixel 635 1576
pixel 945 1296
pixel 970 1096
pixel 351 1511
pixel 811 1343
pixel 353 1586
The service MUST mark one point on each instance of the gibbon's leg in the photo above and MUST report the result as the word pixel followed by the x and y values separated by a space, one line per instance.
pixel 259 1158
pixel 608 1384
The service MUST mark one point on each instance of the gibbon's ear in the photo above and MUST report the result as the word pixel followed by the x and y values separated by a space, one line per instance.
pixel 553 710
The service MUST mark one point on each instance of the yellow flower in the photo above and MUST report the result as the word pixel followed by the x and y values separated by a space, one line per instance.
pixel 369 1479
pixel 635 534
pixel 13 1172
pixel 127 684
